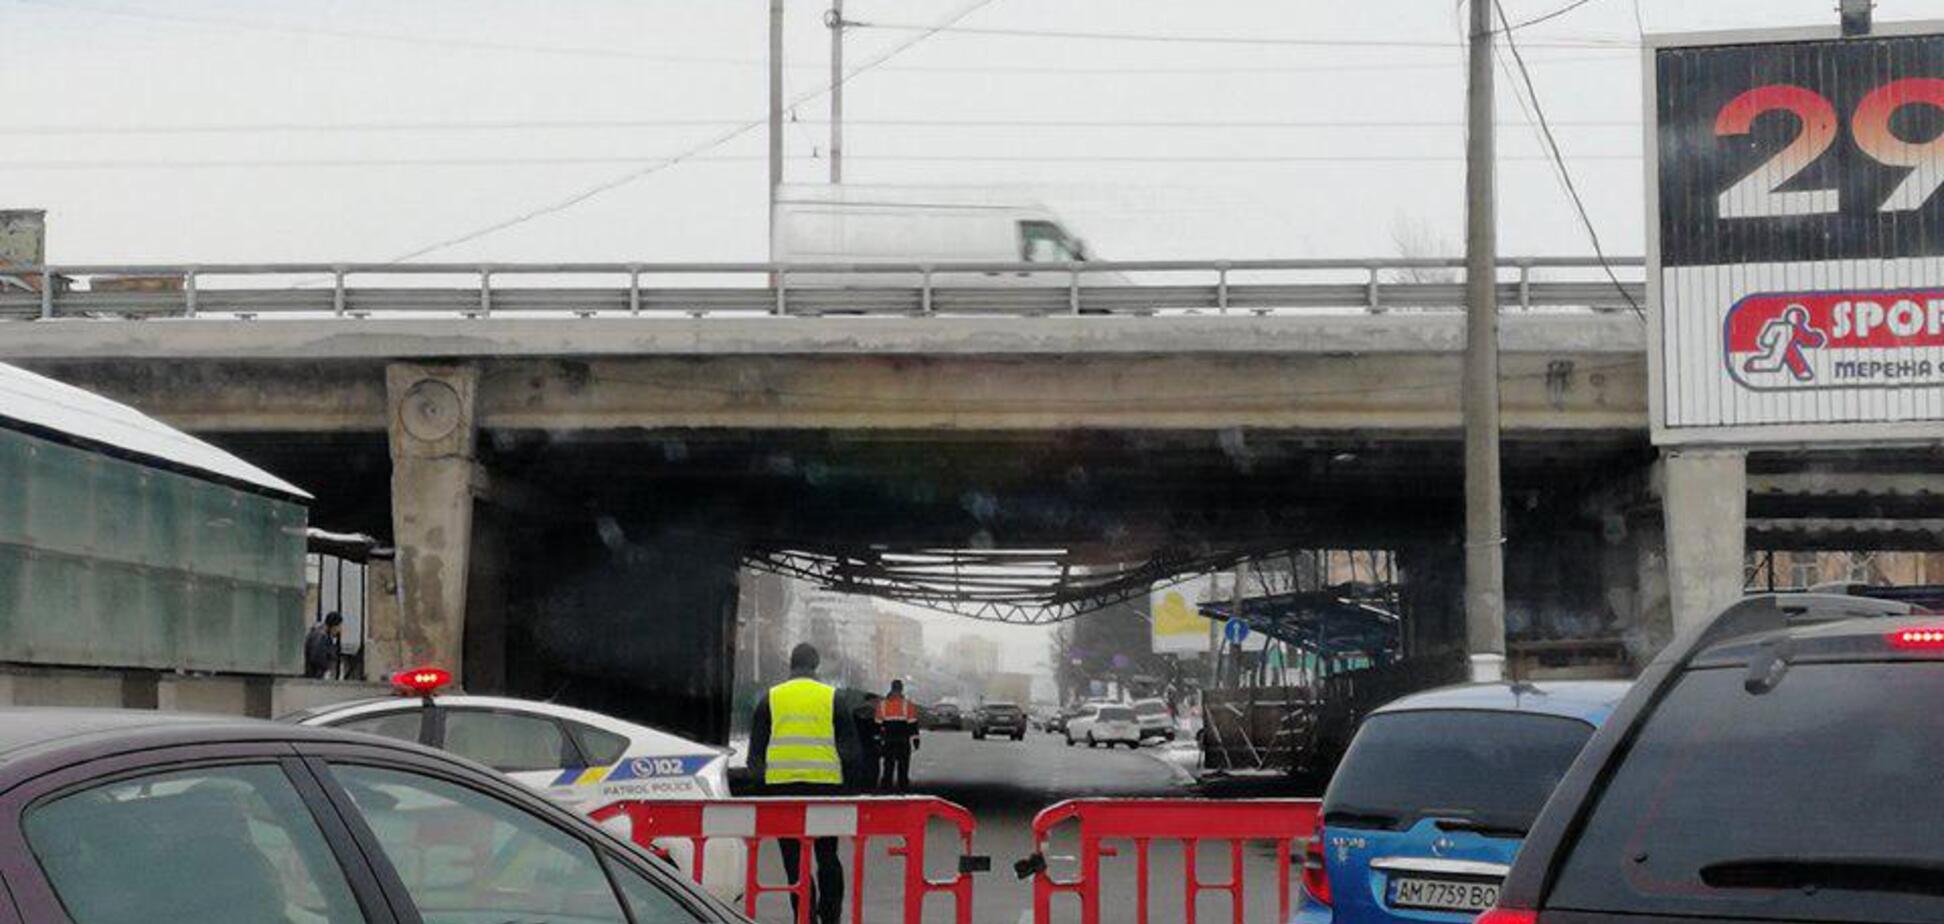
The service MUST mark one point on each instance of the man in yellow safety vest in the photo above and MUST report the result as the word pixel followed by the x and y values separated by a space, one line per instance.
pixel 797 742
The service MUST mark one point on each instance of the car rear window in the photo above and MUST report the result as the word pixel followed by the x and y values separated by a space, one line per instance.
pixel 1493 768
pixel 1007 708
pixel 1833 770
pixel 1150 708
pixel 1116 714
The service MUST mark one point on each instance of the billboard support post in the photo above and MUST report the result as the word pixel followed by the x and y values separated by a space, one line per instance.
pixel 1484 553
pixel 1704 496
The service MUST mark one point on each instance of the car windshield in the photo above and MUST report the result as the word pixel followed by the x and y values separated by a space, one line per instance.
pixel 1833 768
pixel 1490 768
pixel 1007 708
pixel 1116 714
pixel 1150 708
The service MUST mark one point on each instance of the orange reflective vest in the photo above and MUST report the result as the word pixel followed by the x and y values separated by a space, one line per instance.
pixel 896 709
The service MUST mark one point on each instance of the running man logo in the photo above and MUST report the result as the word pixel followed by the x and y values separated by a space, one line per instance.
pixel 1879 339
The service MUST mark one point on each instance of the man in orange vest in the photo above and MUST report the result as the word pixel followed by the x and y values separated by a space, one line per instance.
pixel 898 724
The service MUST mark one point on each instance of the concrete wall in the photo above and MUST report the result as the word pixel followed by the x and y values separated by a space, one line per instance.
pixel 1547 390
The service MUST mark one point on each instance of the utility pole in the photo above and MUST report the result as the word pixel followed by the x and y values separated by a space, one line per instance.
pixel 775 113
pixel 1484 512
pixel 835 21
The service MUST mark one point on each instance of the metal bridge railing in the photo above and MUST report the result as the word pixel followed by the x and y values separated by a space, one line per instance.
pixel 312 290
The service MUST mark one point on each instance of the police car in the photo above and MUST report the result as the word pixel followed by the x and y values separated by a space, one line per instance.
pixel 580 759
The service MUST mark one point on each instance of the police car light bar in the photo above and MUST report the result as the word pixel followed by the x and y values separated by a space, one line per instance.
pixel 421 681
pixel 1918 639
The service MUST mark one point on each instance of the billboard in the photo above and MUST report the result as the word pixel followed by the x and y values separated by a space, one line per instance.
pixel 1174 613
pixel 1796 235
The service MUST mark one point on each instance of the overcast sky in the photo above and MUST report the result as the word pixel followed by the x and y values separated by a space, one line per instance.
pixel 360 137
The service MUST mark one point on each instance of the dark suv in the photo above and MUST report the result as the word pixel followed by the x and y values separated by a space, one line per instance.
pixel 1004 719
pixel 1780 765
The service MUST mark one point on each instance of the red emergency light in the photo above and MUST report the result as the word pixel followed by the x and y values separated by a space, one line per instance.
pixel 1930 639
pixel 421 681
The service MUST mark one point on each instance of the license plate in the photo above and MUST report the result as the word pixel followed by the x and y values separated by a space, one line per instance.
pixel 1443 894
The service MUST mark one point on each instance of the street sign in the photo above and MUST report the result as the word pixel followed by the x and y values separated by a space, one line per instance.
pixel 1235 631
pixel 1796 235
pixel 1174 613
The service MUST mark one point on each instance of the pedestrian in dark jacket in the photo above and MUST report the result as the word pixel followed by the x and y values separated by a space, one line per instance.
pixel 322 645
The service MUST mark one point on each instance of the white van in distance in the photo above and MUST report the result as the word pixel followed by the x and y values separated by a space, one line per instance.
pixel 878 225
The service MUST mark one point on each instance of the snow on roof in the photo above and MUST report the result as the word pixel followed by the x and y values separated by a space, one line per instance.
pixel 39 401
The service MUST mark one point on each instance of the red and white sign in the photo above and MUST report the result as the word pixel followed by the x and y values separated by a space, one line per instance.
pixel 1796 258
pixel 1836 340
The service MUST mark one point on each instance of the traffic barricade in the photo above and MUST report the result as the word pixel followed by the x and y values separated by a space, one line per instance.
pixel 901 820
pixel 1189 822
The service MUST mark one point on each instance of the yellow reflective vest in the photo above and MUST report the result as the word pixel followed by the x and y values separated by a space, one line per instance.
pixel 803 734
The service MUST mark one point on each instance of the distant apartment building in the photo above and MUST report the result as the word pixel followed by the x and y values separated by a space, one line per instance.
pixel 897 646
pixel 973 656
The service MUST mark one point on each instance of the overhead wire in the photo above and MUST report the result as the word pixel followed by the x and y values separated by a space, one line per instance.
pixel 397 38
pixel 1265 41
pixel 1552 146
pixel 491 125
pixel 1547 17
pixel 631 176
pixel 652 164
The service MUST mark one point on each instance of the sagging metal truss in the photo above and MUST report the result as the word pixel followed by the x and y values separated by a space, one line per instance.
pixel 1018 586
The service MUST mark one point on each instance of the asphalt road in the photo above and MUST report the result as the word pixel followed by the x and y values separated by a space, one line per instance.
pixel 1005 783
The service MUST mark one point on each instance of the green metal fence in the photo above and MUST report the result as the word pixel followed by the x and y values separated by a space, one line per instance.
pixel 108 562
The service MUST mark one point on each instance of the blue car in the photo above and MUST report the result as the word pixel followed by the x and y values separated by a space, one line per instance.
pixel 1435 794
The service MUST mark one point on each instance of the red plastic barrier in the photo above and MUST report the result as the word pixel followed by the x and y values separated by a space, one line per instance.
pixel 1189 821
pixel 863 820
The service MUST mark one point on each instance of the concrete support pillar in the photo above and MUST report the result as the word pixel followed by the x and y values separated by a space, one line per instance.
pixel 431 423
pixel 1704 500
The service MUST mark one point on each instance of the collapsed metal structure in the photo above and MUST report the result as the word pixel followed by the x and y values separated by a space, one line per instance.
pixel 1016 586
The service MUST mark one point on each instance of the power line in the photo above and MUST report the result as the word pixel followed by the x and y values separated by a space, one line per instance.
pixel 652 164
pixel 363 35
pixel 494 125
pixel 1271 41
pixel 1555 14
pixel 1002 69
pixel 624 179
pixel 1552 146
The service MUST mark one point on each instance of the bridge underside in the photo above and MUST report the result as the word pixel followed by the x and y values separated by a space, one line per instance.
pixel 573 527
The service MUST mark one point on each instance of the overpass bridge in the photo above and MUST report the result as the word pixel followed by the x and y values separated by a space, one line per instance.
pixel 574 459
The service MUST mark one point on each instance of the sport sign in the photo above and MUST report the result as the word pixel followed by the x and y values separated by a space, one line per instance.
pixel 1796 243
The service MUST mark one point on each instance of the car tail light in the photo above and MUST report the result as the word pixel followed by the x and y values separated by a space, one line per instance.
pixel 1316 869
pixel 1507 916
pixel 1928 639
pixel 421 681
pixel 1917 639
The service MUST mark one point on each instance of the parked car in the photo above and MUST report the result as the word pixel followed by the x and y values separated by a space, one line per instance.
pixel 580 759
pixel 998 719
pixel 944 715
pixel 1436 791
pixel 1156 719
pixel 118 817
pixel 1777 765
pixel 1104 723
